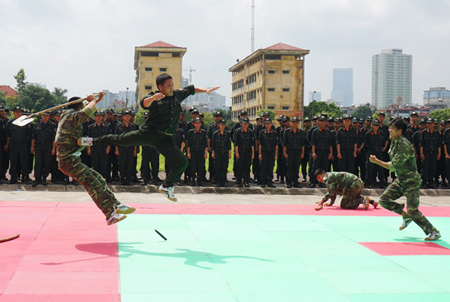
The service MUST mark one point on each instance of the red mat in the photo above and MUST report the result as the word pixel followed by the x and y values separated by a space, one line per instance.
pixel 406 248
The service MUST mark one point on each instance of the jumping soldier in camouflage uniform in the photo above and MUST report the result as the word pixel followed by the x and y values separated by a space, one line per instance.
pixel 406 183
pixel 69 162
pixel 346 184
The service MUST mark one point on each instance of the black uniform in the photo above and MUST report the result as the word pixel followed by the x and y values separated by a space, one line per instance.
pixel 360 162
pixel 150 157
pixel 180 138
pixel 446 142
pixel 197 144
pixel 44 136
pixel 416 144
pixel 305 158
pixel 321 140
pixel 268 142
pixel 99 158
pixel 2 134
pixel 346 138
pixel 374 142
pixel 244 141
pixel 294 143
pixel 431 144
pixel 440 168
pixel 213 127
pixel 335 160
pixel 221 146
pixel 5 154
pixel 126 155
pixel 385 131
pixel 310 159
pixel 19 138
pixel 112 171
pixel 282 168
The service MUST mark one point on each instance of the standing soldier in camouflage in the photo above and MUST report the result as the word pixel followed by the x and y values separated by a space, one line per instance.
pixel 304 161
pixel 346 184
pixel 221 152
pixel 68 153
pixel 346 146
pixel 99 154
pixel 126 154
pixel 244 145
pixel 407 182
pixel 293 152
pixel 197 151
pixel 430 153
pixel 17 145
pixel 268 153
pixel 44 146
pixel 322 150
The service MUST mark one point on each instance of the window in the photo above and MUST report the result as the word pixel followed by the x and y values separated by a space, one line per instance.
pixel 285 89
pixel 148 87
pixel 148 69
pixel 285 71
pixel 271 107
pixel 271 71
pixel 162 69
pixel 271 89
pixel 285 108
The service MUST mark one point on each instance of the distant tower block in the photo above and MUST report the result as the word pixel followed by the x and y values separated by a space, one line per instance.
pixel 154 59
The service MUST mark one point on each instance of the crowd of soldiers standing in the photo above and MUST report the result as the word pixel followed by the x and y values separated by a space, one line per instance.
pixel 341 144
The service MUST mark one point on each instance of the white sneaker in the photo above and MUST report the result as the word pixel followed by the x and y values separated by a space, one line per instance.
pixel 366 203
pixel 85 141
pixel 434 235
pixel 115 218
pixel 124 209
pixel 405 223
pixel 168 192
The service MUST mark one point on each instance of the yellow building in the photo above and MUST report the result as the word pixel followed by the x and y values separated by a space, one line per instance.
pixel 270 78
pixel 153 59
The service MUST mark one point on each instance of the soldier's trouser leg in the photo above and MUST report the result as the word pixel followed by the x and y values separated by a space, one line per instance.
pixel 267 164
pixel 305 164
pixel 221 162
pixel 239 167
pixel 447 168
pixel 104 163
pixel 429 166
pixel 145 160
pixel 362 165
pixel 212 167
pixel 130 163
pixel 18 152
pixel 164 144
pixel 92 181
pixel 411 191
pixel 352 197
pixel 5 156
pixel 154 161
pixel 43 160
pixel 123 162
pixel 197 164
pixel 347 163
pixel 293 165
pixel 1 165
pixel 95 160
pixel 247 156
pixel 256 165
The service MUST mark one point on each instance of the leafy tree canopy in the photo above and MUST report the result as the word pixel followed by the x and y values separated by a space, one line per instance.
pixel 441 114
pixel 317 108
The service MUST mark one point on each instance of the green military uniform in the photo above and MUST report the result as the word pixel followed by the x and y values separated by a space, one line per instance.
pixel 407 183
pixel 68 153
pixel 347 184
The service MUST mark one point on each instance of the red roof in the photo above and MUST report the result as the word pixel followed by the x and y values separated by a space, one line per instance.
pixel 161 44
pixel 8 90
pixel 282 46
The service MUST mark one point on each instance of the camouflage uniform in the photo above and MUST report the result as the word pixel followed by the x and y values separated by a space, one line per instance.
pixel 348 185
pixel 407 183
pixel 68 153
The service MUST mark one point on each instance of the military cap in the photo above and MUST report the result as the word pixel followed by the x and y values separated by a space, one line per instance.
pixel 98 112
pixel 442 122
pixel 306 120
pixel 110 110
pixel 267 120
pixel 406 118
pixel 1 107
pixel 381 113
pixel 258 118
pixel 322 118
pixel 325 114
pixel 369 118
pixel 197 119
pixel 338 119
pixel 315 118
pixel 448 121
pixel 245 120
pixel 414 113
pixel 16 108
pixel 146 114
pixel 193 111
pixel 243 112
pixel 261 115
pixel 183 111
pixel 355 120
pixel 295 119
pixel 120 113
pixel 115 112
pixel 132 113
pixel 376 122
pixel 361 120
pixel 126 112
pixel 347 117
pixel 46 113
pixel 436 121
pixel 286 118
pixel 422 121
pixel 430 120
pixel 280 118
pixel 266 113
pixel 58 112
pixel 222 122
pixel 192 108
pixel 330 120
pixel 217 113
pixel 201 114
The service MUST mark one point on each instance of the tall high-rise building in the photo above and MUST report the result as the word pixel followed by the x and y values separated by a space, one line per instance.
pixel 391 78
pixel 153 59
pixel 270 78
pixel 343 86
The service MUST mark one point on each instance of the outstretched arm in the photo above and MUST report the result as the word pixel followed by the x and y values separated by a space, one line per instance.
pixel 208 91
pixel 375 160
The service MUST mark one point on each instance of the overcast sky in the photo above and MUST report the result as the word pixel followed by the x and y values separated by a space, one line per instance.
pixel 88 45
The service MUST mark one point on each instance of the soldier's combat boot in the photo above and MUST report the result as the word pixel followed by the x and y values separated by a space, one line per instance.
pixel 115 218
pixel 406 221
pixel 434 235
pixel 124 209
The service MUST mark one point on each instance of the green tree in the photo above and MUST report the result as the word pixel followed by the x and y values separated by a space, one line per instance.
pixel 20 79
pixel 271 113
pixel 317 108
pixel 139 117
pixel 208 118
pixel 362 112
pixel 59 95
pixel 441 114
pixel 37 98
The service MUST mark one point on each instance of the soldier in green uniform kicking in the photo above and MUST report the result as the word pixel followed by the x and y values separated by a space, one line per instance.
pixel 346 184
pixel 407 181
pixel 68 154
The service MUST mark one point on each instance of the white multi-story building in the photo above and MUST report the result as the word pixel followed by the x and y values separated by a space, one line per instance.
pixel 391 78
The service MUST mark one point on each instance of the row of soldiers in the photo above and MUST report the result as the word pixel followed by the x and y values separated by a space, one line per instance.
pixel 343 144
